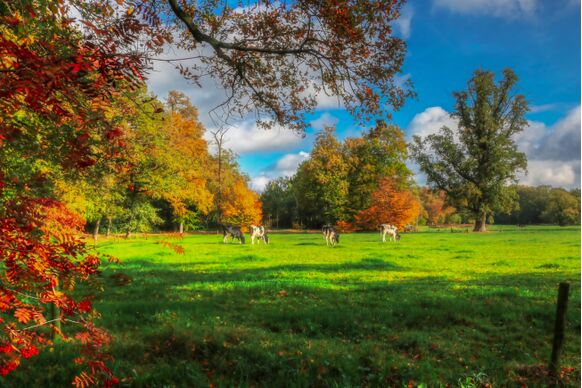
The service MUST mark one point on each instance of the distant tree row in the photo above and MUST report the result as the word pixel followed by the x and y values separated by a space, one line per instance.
pixel 358 183
pixel 544 205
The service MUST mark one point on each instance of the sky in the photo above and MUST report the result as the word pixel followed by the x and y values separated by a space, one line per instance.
pixel 447 41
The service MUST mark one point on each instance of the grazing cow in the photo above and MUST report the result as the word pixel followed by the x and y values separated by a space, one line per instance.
pixel 391 230
pixel 259 233
pixel 330 235
pixel 233 232
pixel 409 228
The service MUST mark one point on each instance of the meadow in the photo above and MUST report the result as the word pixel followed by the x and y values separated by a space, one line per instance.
pixel 437 308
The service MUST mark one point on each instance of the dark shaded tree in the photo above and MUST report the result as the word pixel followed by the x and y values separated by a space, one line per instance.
pixel 279 202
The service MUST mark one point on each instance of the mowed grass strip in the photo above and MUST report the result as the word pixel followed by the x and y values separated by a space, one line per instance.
pixel 435 308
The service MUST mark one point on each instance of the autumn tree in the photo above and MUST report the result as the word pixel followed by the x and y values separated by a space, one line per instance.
pixel 321 182
pixel 187 160
pixel 275 58
pixel 241 206
pixel 435 207
pixel 56 88
pixel 380 152
pixel 478 162
pixel 391 204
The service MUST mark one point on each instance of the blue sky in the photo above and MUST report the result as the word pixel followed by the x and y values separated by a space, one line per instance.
pixel 447 40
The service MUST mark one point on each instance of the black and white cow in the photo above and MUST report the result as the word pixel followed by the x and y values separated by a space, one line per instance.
pixel 233 232
pixel 390 230
pixel 330 235
pixel 259 233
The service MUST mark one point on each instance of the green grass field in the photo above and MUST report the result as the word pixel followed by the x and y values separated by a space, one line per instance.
pixel 435 308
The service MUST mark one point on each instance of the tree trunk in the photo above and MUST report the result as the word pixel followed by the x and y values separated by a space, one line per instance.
pixel 481 223
pixel 96 229
pixel 181 227
pixel 108 231
pixel 127 234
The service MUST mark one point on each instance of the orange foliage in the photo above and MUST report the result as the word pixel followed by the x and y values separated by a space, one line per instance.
pixel 390 205
pixel 241 206
pixel 345 227
pixel 435 209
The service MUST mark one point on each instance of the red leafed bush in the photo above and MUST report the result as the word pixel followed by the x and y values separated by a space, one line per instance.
pixel 43 262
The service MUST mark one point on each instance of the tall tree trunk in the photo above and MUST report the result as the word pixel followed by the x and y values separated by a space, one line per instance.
pixel 108 231
pixel 181 227
pixel 96 229
pixel 127 233
pixel 481 222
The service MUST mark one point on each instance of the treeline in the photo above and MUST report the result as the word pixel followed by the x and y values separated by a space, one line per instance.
pixel 544 205
pixel 356 184
pixel 162 176
pixel 362 182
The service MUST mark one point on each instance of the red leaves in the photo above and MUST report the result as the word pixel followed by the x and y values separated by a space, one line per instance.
pixel 8 367
pixel 29 351
pixel 84 306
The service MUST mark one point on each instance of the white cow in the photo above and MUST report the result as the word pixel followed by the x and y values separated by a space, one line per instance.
pixel 330 235
pixel 259 233
pixel 391 230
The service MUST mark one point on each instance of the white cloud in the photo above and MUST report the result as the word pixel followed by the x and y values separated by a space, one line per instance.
pixel 552 172
pixel 259 183
pixel 499 8
pixel 562 140
pixel 404 22
pixel 246 137
pixel 430 121
pixel 544 108
pixel 325 120
pixel 287 165
pixel 284 167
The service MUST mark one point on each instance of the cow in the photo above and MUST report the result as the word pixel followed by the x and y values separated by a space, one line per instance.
pixel 259 233
pixel 409 228
pixel 330 235
pixel 233 232
pixel 391 230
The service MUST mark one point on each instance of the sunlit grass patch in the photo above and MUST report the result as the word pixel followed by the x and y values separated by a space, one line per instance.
pixel 435 308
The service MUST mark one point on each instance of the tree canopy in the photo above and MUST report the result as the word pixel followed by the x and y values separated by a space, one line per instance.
pixel 478 162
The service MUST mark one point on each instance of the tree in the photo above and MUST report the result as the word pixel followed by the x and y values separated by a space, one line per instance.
pixel 390 205
pixel 380 152
pixel 241 206
pixel 435 207
pixel 321 181
pixel 57 87
pixel 477 163
pixel 274 58
pixel 562 208
pixel 279 204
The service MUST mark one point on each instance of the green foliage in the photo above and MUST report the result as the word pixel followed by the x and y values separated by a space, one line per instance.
pixel 338 180
pixel 139 216
pixel 476 163
pixel 321 183
pixel 380 152
pixel 279 204
pixel 544 204
pixel 563 208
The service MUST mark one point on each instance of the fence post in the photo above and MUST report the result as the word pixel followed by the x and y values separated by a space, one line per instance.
pixel 563 291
